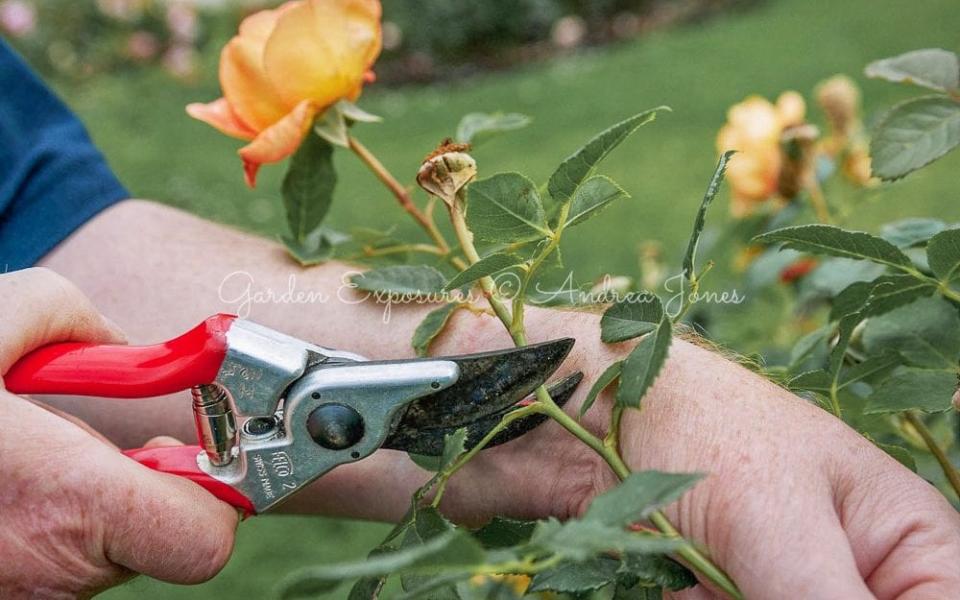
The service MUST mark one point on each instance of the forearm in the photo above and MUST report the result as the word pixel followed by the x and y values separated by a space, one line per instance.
pixel 157 272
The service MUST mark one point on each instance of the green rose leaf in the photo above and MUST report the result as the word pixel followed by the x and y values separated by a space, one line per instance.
pixel 453 550
pixel 478 127
pixel 502 532
pixel 308 188
pixel 609 375
pixel 833 241
pixel 572 577
pixel 932 68
pixel 506 208
pixel 913 134
pixel 637 496
pixel 943 254
pixel 852 299
pixel 431 326
pixel 401 280
pixel 332 127
pixel 900 454
pixel 913 389
pixel 454 444
pixel 821 381
pixel 428 524
pixel 926 333
pixel 656 569
pixel 893 291
pixel 314 249
pixel 354 113
pixel 573 171
pixel 579 540
pixel 712 189
pixel 592 197
pixel 907 233
pixel 487 265
pixel 635 315
pixel 643 364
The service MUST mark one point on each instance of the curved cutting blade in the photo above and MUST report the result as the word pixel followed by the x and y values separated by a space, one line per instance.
pixel 489 383
pixel 429 441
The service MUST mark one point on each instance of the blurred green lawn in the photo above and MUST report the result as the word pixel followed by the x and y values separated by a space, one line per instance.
pixel 698 70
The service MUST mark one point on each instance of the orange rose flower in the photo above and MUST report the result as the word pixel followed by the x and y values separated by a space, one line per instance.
pixel 286 66
pixel 754 128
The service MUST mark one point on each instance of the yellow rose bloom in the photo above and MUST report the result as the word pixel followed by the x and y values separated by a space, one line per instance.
pixel 286 66
pixel 754 129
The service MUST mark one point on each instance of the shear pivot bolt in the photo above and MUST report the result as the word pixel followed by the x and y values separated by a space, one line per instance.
pixel 335 426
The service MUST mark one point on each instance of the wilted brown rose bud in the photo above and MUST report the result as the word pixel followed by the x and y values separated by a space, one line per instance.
pixel 839 97
pixel 798 159
pixel 446 170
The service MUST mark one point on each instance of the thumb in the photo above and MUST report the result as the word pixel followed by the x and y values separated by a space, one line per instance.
pixel 166 527
pixel 41 307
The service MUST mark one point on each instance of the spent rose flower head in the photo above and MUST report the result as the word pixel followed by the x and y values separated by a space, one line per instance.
pixel 755 128
pixel 286 66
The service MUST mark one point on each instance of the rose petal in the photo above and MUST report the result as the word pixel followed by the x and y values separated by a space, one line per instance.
pixel 243 79
pixel 277 141
pixel 322 49
pixel 219 115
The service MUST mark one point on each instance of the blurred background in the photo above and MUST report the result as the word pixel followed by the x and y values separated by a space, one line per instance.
pixel 128 68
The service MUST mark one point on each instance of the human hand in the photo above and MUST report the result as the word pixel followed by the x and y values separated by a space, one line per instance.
pixel 794 504
pixel 76 516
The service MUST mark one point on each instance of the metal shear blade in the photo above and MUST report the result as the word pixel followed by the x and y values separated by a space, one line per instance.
pixel 430 441
pixel 490 384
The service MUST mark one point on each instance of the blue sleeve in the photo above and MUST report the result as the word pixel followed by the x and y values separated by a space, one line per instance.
pixel 52 178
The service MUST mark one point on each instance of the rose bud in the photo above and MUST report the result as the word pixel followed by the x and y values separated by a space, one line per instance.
pixel 446 170
pixel 839 98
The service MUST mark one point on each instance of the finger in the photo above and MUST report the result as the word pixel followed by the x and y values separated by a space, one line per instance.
pixel 41 307
pixel 162 441
pixel 72 419
pixel 906 534
pixel 802 552
pixel 166 527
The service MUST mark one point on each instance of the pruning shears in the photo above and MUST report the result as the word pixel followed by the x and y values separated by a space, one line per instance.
pixel 274 413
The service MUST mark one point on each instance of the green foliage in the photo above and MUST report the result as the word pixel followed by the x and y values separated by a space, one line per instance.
pixel 596 194
pixel 701 219
pixel 637 496
pixel 907 233
pixel 609 375
pixel 943 254
pixel 930 68
pixel 914 134
pixel 918 131
pixel 643 364
pixel 506 208
pixel 912 388
pixel 487 265
pixel 635 315
pixel 925 333
pixel 586 576
pixel 431 326
pixel 433 553
pixel 579 166
pixel 451 550
pixel 475 128
pixel 833 241
pixel 401 280
pixel 307 194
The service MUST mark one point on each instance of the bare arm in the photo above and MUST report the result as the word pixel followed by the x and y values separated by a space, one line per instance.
pixel 795 504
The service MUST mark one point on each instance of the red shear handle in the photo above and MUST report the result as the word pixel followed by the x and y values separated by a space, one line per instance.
pixel 182 461
pixel 118 371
